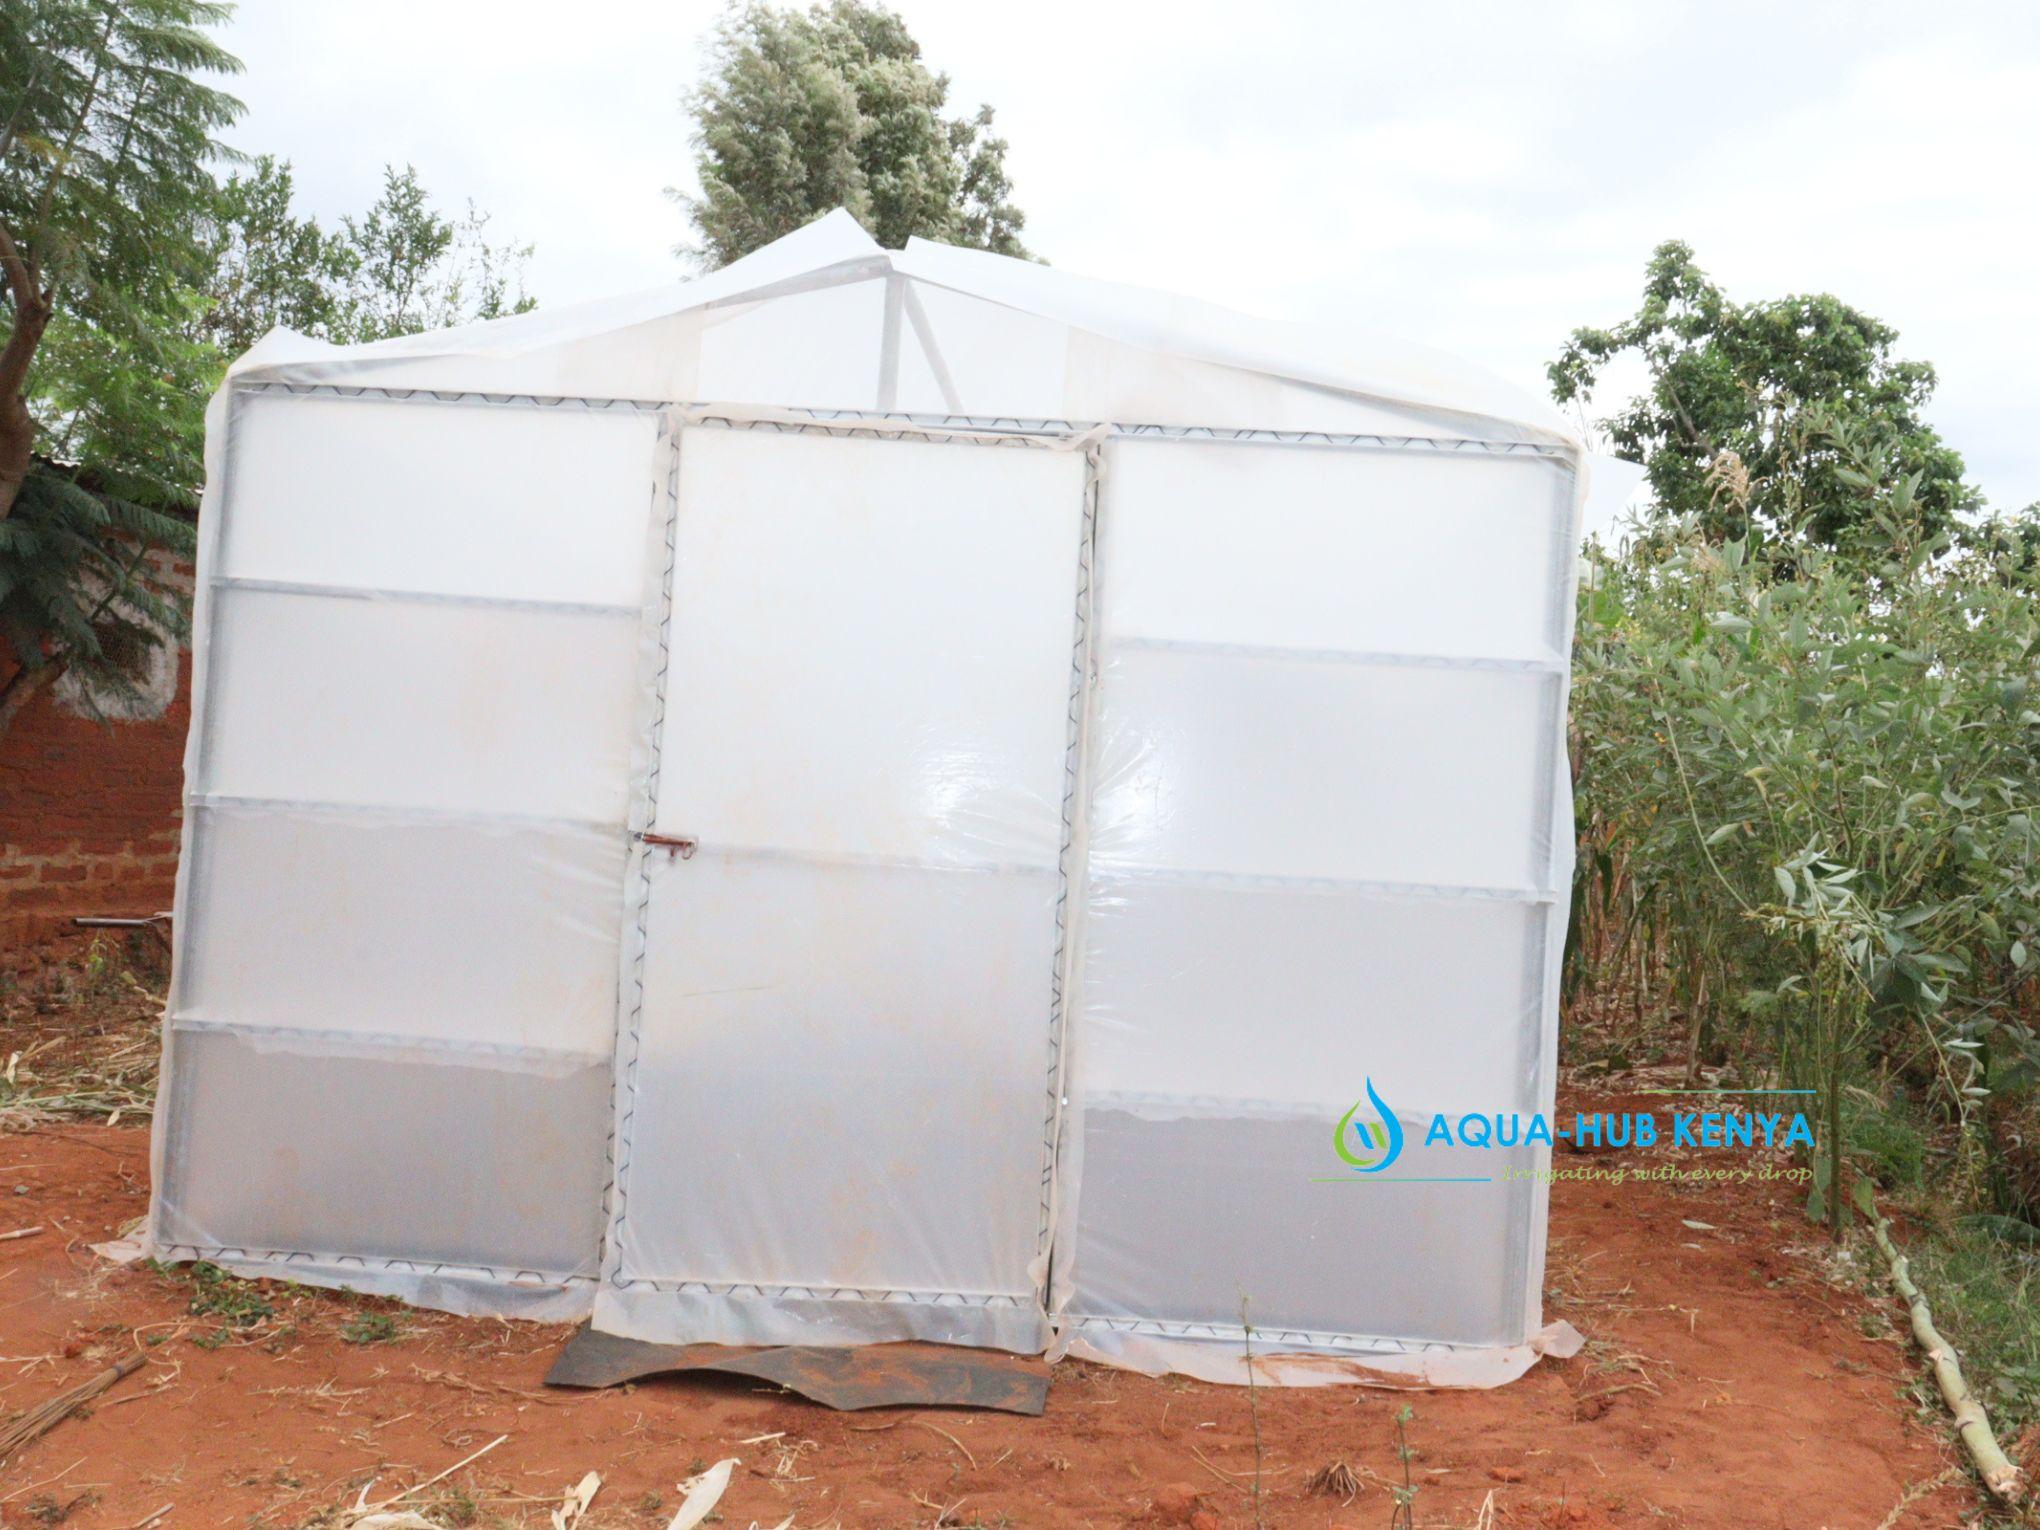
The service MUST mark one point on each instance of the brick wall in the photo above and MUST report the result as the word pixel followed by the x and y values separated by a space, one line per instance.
pixel 89 813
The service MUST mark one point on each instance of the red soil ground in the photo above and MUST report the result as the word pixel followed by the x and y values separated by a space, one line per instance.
pixel 1725 1383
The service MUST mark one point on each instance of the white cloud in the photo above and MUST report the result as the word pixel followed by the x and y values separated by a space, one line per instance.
pixel 1480 176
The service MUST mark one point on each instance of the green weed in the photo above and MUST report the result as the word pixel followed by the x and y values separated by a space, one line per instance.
pixel 371 1328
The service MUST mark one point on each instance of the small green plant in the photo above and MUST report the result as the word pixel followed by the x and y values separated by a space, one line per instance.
pixel 102 968
pixel 371 1328
pixel 235 1302
pixel 1403 1516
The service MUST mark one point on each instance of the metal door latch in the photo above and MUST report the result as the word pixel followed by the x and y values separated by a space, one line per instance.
pixel 672 844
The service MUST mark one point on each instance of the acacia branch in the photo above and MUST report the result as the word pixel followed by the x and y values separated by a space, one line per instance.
pixel 44 57
pixel 101 56
pixel 32 306
pixel 31 313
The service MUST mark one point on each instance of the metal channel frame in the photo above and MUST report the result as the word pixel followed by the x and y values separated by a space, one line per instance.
pixel 908 425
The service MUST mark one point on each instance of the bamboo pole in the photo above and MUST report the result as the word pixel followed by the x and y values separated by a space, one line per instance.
pixel 1972 1425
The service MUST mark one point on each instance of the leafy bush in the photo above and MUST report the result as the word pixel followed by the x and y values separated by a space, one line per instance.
pixel 1884 1139
pixel 1805 777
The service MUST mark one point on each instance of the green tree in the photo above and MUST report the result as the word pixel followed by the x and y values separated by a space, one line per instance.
pixel 106 143
pixel 131 276
pixel 805 111
pixel 400 268
pixel 411 269
pixel 1749 380
pixel 266 267
pixel 2012 540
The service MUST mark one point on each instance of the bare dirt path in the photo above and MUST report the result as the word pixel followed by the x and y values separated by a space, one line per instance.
pixel 1725 1384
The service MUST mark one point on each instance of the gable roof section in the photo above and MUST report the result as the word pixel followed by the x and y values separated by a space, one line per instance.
pixel 835 250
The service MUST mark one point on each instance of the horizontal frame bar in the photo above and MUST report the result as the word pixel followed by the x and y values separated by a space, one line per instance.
pixel 994 424
pixel 421 815
pixel 859 862
pixel 1272 651
pixel 1207 1107
pixel 417 597
pixel 546 1058
pixel 1236 1335
pixel 1108 871
pixel 300 1258
pixel 753 1290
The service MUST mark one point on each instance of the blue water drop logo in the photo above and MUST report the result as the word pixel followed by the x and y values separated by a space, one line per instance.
pixel 1381 1141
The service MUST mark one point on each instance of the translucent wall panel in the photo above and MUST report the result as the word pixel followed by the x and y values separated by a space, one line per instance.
pixel 1413 774
pixel 276 1146
pixel 1436 552
pixel 860 630
pixel 838 1071
pixel 1123 380
pixel 1320 796
pixel 963 355
pixel 490 934
pixel 392 1017
pixel 398 703
pixel 1288 996
pixel 842 1075
pixel 1183 1216
pixel 450 499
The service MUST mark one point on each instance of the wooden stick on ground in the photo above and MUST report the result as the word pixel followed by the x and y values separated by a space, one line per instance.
pixel 1971 1423
pixel 39 1421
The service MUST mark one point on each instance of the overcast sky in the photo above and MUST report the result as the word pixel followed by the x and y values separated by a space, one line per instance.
pixel 1480 177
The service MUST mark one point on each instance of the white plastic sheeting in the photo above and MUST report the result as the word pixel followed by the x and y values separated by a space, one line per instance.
pixel 879 795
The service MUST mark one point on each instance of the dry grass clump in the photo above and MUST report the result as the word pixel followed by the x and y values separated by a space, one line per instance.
pixel 1335 1480
pixel 79 1033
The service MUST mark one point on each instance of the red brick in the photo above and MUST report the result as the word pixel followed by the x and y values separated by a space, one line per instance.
pixel 89 813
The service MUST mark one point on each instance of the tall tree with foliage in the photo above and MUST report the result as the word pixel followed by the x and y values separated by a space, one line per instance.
pixel 267 268
pixel 1750 381
pixel 107 118
pixel 104 163
pixel 806 111
pixel 410 268
pixel 400 268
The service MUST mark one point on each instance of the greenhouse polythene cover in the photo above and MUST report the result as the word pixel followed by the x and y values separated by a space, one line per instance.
pixel 882 795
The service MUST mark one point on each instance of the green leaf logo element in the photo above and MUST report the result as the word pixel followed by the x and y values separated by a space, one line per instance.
pixel 1387 1134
